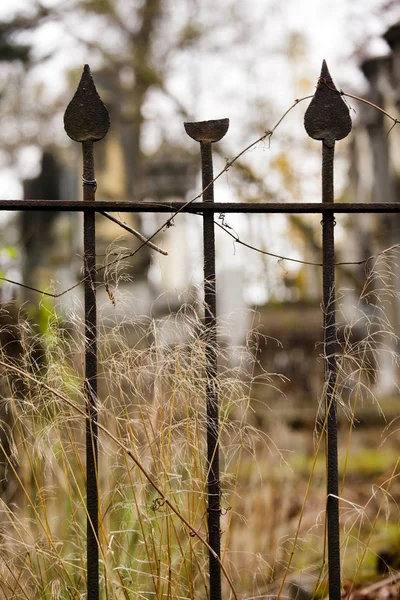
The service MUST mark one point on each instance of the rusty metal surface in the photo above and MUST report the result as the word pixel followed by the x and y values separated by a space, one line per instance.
pixel 92 455
pixel 207 132
pixel 88 178
pixel 327 119
pixel 86 120
pixel 199 207
pixel 330 350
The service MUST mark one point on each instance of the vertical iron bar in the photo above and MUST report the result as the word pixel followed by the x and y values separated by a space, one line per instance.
pixel 92 499
pixel 86 120
pixel 210 321
pixel 327 119
pixel 207 132
pixel 328 276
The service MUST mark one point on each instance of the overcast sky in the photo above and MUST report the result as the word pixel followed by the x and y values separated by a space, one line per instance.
pixel 226 81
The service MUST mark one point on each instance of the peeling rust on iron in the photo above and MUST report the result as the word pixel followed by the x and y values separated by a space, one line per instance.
pixel 86 117
pixel 327 118
pixel 207 131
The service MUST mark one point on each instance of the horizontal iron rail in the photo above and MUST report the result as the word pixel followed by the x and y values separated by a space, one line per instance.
pixel 199 207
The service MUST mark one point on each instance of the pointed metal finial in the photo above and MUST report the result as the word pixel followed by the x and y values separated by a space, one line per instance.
pixel 86 120
pixel 327 118
pixel 86 117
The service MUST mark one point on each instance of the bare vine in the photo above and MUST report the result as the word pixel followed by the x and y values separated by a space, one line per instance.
pixel 229 163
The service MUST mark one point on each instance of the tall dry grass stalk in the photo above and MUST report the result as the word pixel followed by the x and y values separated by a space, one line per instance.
pixel 152 467
pixel 369 510
pixel 152 401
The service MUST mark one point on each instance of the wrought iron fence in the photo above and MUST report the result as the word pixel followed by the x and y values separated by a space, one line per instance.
pixel 327 119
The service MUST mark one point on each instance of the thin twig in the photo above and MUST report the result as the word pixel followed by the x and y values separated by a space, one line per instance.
pixel 372 257
pixel 304 262
pixel 363 100
pixel 168 222
pixel 228 165
pixel 238 241
pixel 278 256
pixel 342 93
pixel 33 289
pixel 137 234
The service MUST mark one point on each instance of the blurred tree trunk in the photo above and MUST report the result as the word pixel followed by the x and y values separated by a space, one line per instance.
pixel 144 78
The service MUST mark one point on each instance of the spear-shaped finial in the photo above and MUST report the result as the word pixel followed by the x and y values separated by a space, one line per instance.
pixel 327 118
pixel 86 118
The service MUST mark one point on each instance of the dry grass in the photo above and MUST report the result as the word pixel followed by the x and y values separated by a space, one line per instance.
pixel 151 400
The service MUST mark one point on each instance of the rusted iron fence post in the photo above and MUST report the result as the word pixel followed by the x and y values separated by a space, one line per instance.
pixel 328 119
pixel 208 132
pixel 87 121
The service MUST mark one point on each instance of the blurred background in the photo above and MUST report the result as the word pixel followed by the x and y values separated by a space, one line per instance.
pixel 156 64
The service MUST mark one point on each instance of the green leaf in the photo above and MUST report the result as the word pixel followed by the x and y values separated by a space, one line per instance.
pixel 11 251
